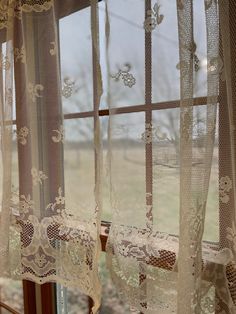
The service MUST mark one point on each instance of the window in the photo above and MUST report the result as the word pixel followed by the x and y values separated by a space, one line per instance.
pixel 140 167
pixel 146 138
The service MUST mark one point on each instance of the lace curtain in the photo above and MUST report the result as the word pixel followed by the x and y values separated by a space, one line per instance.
pixel 184 130
pixel 41 238
pixel 165 70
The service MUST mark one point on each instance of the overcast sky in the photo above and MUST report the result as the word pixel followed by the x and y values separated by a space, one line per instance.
pixel 127 46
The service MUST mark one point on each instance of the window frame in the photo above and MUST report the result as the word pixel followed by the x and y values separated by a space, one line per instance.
pixel 46 296
pixel 147 109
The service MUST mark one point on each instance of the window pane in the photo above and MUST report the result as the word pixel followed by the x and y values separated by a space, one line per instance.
pixel 166 171
pixel 76 62
pixel 71 301
pixel 165 54
pixel 11 293
pixel 126 56
pixel 77 59
pixel 79 167
pixel 128 170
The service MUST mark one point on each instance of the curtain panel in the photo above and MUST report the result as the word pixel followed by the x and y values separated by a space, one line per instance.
pixel 164 165
pixel 41 239
pixel 176 272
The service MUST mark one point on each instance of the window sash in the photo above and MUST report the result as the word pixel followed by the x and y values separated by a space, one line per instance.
pixel 77 5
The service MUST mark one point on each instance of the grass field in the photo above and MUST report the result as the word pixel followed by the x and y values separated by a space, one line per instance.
pixel 129 183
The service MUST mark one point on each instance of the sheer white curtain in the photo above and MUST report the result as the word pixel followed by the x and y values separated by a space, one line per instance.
pixel 42 239
pixel 166 72
pixel 180 131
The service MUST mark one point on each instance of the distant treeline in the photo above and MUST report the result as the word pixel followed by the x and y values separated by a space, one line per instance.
pixel 120 144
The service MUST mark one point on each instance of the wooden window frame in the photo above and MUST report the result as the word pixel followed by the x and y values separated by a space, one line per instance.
pixel 147 109
pixel 47 291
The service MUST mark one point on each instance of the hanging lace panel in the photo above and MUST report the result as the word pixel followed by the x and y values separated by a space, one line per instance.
pixel 173 118
pixel 42 238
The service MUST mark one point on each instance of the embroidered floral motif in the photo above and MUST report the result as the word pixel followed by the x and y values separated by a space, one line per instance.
pixel 180 4
pixel 21 205
pixel 183 65
pixel 60 134
pixel 208 3
pixel 25 204
pixel 68 87
pixel 22 135
pixel 40 260
pixel 152 133
pixel 158 134
pixel 209 305
pixel 149 24
pixel 59 200
pixel 147 135
pixel 6 15
pixel 225 185
pixel 4 62
pixel 124 74
pixel 20 54
pixel 38 176
pixel 216 66
pixel 53 50
pixel 154 18
pixel 129 80
pixel 140 244
pixel 231 235
pixel 75 239
pixel 14 9
pixel 34 91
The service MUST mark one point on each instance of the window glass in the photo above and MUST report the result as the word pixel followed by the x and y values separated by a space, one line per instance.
pixel 76 62
pixel 126 53
pixel 11 293
pixel 71 301
pixel 79 167
pixel 166 171
pixel 128 169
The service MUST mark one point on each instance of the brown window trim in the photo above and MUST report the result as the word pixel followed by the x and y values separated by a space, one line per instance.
pixel 198 101
pixel 8 308
pixel 172 104
pixel 29 296
pixel 74 5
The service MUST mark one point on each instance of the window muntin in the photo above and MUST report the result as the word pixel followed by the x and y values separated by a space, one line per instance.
pixel 79 106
